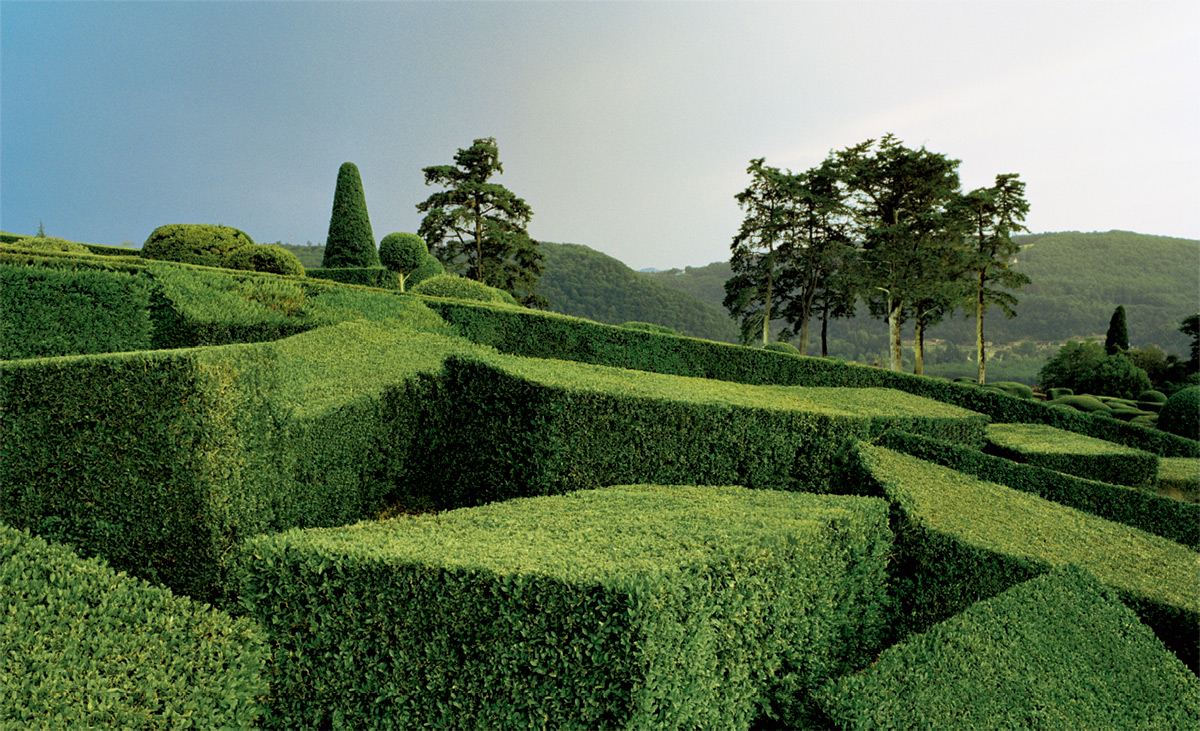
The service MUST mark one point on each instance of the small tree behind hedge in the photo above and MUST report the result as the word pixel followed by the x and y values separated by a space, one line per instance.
pixel 404 253
pixel 1117 338
pixel 350 242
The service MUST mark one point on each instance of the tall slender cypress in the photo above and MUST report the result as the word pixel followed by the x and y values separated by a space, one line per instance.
pixel 1117 338
pixel 350 242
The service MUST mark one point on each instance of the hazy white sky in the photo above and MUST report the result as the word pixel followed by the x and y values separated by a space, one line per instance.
pixel 625 126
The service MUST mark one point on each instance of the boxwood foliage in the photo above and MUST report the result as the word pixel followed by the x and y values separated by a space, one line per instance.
pixel 86 647
pixel 627 607
pixel 161 461
pixel 1164 516
pixel 188 243
pixel 1058 651
pixel 961 539
pixel 454 286
pixel 1180 473
pixel 47 312
pixel 1072 453
pixel 377 276
pixel 549 335
pixel 554 426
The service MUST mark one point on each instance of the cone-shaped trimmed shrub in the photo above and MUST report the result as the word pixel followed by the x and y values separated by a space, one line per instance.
pixel 350 242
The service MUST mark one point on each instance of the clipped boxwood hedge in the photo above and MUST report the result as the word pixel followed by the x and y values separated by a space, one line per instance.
pixel 82 646
pixel 1172 519
pixel 379 276
pixel 628 607
pixel 46 312
pixel 194 243
pixel 554 426
pixel 1074 454
pixel 524 332
pixel 1058 651
pixel 161 461
pixel 961 539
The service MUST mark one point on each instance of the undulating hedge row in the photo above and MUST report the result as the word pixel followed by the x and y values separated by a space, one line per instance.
pixel 961 539
pixel 47 312
pixel 1172 519
pixel 503 427
pixel 365 276
pixel 162 461
pixel 549 335
pixel 627 607
pixel 1074 454
pixel 1179 473
pixel 1058 651
pixel 82 646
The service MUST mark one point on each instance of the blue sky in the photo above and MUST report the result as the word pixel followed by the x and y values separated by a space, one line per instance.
pixel 625 126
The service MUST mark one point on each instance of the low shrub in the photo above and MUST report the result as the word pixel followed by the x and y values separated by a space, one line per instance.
pixel 627 607
pixel 1057 393
pixel 85 646
pixel 201 244
pixel 1182 474
pixel 1058 651
pixel 1171 519
pixel 44 243
pixel 380 277
pixel 1180 414
pixel 456 287
pixel 521 331
pixel 1012 388
pixel 780 347
pixel 1072 453
pixel 46 312
pixel 1084 403
pixel 552 427
pixel 650 328
pixel 265 258
pixel 960 539
pixel 1152 397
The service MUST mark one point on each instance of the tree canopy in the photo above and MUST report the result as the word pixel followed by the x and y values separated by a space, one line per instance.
pixel 477 228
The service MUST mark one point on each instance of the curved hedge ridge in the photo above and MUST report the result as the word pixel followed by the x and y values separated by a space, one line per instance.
pixel 627 607
pixel 194 243
pixel 84 646
pixel 1058 651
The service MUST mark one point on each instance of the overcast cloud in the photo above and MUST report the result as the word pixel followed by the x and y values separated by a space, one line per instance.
pixel 625 126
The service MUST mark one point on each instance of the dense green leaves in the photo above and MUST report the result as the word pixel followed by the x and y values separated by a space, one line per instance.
pixel 201 244
pixel 350 242
pixel 264 258
pixel 1074 454
pixel 84 646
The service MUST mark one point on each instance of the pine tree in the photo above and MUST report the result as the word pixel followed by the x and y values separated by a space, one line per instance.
pixel 350 242
pixel 1117 339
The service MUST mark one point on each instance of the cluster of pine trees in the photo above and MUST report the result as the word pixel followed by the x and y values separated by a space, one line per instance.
pixel 879 223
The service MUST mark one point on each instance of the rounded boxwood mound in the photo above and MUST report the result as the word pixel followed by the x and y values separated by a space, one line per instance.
pixel 456 287
pixel 265 258
pixel 649 327
pixel 47 243
pixel 782 348
pixel 1181 413
pixel 195 243
pixel 1082 403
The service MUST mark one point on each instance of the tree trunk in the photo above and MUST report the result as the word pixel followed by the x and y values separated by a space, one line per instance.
pixel 919 348
pixel 825 330
pixel 767 309
pixel 894 308
pixel 979 354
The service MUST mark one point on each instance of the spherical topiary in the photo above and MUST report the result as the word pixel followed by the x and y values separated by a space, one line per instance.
pixel 780 347
pixel 191 243
pixel 402 252
pixel 350 242
pixel 454 286
pixel 430 267
pixel 49 243
pixel 1089 404
pixel 265 258
pixel 1154 396
pixel 1181 413
pixel 649 327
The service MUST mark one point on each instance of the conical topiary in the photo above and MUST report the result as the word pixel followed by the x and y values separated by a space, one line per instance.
pixel 350 242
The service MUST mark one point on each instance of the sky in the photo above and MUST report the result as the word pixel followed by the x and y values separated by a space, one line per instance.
pixel 626 126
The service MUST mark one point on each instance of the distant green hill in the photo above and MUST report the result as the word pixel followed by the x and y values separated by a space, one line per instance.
pixel 583 282
pixel 1078 279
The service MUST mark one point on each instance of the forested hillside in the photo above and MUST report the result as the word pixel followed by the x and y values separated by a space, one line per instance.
pixel 585 283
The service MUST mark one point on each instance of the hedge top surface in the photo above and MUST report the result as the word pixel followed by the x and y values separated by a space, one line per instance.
pixel 587 536
pixel 843 402
pixel 1058 651
pixel 1010 522
pixel 1048 440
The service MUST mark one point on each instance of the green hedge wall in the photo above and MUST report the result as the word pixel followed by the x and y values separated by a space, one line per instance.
pixel 82 646
pixel 162 461
pixel 47 312
pixel 1164 516
pixel 628 607
pixel 961 540
pixel 1074 454
pixel 549 335
pixel 378 276
pixel 554 426
pixel 1058 651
